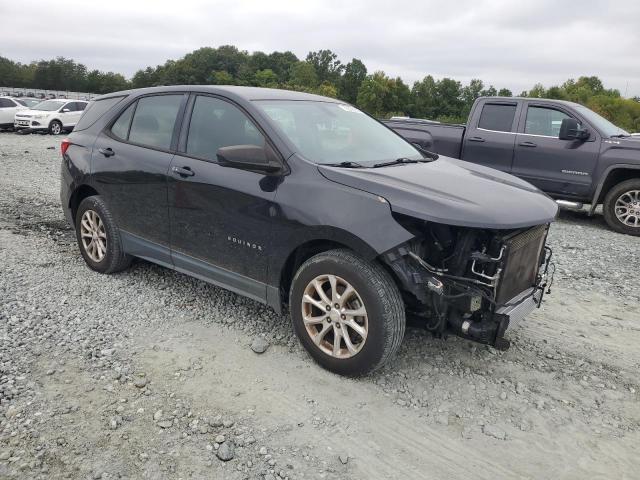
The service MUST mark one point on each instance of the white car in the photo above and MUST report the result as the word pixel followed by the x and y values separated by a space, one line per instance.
pixel 8 109
pixel 635 135
pixel 54 116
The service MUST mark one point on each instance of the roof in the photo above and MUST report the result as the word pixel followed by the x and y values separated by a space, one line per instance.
pixel 244 93
pixel 533 99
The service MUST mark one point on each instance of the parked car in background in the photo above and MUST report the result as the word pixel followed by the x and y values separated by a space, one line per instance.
pixel 635 134
pixel 28 102
pixel 8 108
pixel 301 200
pixel 565 149
pixel 53 116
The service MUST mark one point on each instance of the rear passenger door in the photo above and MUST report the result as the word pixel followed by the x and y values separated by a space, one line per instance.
pixel 490 136
pixel 220 216
pixel 130 164
pixel 560 167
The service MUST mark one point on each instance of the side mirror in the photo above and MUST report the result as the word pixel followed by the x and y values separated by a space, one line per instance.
pixel 249 157
pixel 570 130
pixel 65 110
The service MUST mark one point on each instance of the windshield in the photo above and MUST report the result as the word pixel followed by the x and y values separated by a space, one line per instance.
pixel 50 105
pixel 325 132
pixel 27 102
pixel 605 126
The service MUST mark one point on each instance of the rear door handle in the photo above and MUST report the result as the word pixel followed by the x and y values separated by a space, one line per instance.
pixel 183 171
pixel 476 139
pixel 107 152
pixel 527 144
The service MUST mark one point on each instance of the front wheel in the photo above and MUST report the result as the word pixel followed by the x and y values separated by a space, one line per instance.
pixel 347 312
pixel 622 207
pixel 55 128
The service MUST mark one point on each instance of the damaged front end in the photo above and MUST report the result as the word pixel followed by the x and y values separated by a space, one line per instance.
pixel 475 283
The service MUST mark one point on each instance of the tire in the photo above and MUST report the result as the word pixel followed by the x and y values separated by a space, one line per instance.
pixel 109 256
pixel 622 207
pixel 375 294
pixel 55 127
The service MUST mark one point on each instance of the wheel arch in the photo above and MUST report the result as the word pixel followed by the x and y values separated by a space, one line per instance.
pixel 612 177
pixel 80 193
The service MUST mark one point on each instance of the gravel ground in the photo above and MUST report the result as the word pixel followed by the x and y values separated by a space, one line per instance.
pixel 152 374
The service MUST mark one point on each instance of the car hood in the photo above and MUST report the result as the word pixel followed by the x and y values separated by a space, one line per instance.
pixel 452 192
pixel 38 112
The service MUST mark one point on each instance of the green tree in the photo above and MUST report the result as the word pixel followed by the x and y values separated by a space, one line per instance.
pixel 354 74
pixel 220 77
pixel 505 92
pixel 326 64
pixel 423 99
pixel 302 74
pixel 266 78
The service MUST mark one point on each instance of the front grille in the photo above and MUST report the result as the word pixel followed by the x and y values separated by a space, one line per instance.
pixel 521 263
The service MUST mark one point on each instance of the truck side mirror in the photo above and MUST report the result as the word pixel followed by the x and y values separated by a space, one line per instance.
pixel 570 130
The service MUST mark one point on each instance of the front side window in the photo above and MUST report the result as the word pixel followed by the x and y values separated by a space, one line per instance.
pixel 154 119
pixel 216 123
pixel 80 106
pixel 327 132
pixel 544 121
pixel 6 103
pixel 497 117
pixel 71 106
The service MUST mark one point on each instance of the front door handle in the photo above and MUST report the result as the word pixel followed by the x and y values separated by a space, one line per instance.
pixel 527 144
pixel 183 171
pixel 107 152
pixel 476 139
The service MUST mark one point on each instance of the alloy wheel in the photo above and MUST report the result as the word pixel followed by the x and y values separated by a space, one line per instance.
pixel 627 208
pixel 93 235
pixel 56 129
pixel 335 316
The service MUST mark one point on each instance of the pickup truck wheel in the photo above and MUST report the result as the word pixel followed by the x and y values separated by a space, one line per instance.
pixel 622 207
pixel 347 312
pixel 99 238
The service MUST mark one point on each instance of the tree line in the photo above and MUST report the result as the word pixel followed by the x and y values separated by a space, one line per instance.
pixel 320 72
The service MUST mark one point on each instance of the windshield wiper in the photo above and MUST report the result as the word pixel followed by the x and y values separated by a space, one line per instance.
pixel 398 161
pixel 620 135
pixel 345 165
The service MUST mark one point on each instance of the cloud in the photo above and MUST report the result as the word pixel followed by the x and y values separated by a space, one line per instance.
pixel 507 44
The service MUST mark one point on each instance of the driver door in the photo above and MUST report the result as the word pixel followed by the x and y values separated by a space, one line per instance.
pixel 560 167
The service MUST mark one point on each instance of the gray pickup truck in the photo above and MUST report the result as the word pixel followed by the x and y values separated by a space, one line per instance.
pixel 568 151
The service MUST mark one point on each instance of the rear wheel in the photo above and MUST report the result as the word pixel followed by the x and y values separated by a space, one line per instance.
pixel 347 312
pixel 55 127
pixel 622 207
pixel 99 238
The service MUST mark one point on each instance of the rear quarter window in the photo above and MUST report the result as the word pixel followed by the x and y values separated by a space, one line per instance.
pixel 94 110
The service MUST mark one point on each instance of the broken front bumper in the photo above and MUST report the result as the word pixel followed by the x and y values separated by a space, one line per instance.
pixel 521 306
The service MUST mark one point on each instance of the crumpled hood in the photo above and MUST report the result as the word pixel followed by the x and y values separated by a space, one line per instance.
pixel 452 192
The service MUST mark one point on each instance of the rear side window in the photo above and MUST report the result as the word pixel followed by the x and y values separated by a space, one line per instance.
pixel 95 110
pixel 215 124
pixel 497 116
pixel 6 103
pixel 154 119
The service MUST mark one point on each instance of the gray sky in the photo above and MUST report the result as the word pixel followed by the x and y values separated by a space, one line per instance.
pixel 509 44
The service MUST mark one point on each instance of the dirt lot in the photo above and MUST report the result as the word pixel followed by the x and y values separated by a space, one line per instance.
pixel 149 374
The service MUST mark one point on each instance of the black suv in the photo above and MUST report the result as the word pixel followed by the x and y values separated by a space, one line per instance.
pixel 300 200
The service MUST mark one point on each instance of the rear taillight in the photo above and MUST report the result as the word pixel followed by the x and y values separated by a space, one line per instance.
pixel 64 146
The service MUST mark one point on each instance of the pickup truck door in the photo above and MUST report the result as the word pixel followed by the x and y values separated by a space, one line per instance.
pixel 490 135
pixel 558 167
